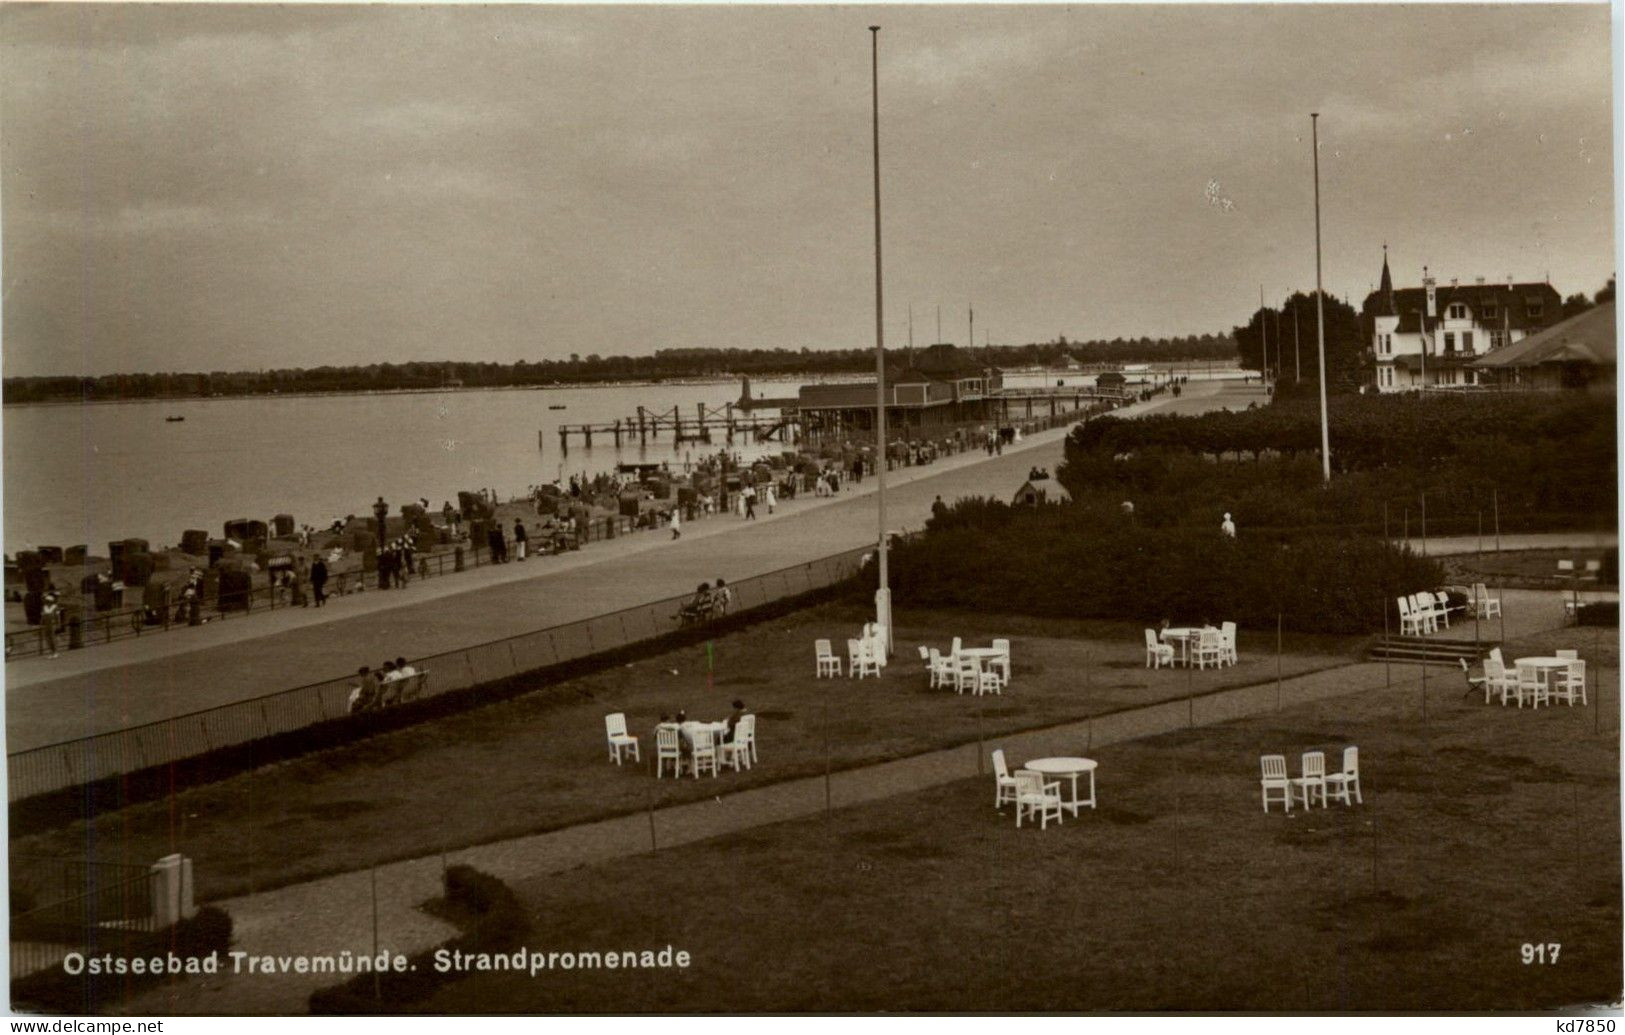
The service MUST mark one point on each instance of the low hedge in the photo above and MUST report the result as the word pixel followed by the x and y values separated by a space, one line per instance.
pixel 1071 562
pixel 54 990
pixel 492 920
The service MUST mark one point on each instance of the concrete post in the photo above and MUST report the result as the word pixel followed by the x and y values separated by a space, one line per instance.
pixel 172 900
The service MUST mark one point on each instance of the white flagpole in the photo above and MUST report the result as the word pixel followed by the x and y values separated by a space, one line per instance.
pixel 1320 312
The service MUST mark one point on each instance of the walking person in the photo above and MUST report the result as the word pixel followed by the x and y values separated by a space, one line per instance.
pixel 1227 527
pixel 676 526
pixel 771 498
pixel 521 538
pixel 318 581
pixel 50 611
pixel 750 502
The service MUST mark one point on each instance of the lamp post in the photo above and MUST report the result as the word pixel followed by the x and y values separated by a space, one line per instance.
pixel 1320 311
pixel 883 594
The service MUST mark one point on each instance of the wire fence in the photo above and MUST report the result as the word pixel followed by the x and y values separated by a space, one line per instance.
pixel 63 905
pixel 87 760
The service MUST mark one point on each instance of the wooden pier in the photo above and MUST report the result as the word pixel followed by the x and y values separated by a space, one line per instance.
pixel 795 421
pixel 702 425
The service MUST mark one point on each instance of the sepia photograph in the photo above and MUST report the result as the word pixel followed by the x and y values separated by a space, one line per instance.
pixel 656 509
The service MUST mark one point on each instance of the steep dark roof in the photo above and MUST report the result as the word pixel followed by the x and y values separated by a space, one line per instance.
pixel 1512 301
pixel 1385 290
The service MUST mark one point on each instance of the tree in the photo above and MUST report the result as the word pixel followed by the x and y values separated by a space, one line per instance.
pixel 1605 293
pixel 1576 304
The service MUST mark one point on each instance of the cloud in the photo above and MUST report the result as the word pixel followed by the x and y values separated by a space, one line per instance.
pixel 970 58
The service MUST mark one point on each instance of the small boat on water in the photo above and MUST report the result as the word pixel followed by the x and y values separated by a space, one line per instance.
pixel 559 406
pixel 173 420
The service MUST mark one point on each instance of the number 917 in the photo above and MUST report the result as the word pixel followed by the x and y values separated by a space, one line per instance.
pixel 1540 952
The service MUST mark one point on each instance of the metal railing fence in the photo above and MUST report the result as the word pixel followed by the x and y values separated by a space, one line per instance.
pixel 89 759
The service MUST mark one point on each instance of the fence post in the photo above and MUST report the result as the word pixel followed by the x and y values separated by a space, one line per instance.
pixel 1424 524
pixel 1278 659
pixel 377 986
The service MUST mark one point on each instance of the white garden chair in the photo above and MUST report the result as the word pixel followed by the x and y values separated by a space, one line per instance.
pixel 1497 680
pixel 956 648
pixel 619 740
pixel 704 754
pixel 668 747
pixel 1484 605
pixel 733 752
pixel 1037 799
pixel 1312 780
pixel 1495 653
pixel 1439 605
pixel 1227 640
pixel 1273 778
pixel 1571 682
pixel 942 668
pixel 1567 655
pixel 988 681
pixel 967 676
pixel 1429 621
pixel 1341 785
pixel 1157 654
pixel 860 659
pixel 1001 664
pixel 1004 785
pixel 1532 685
pixel 1208 650
pixel 747 725
pixel 1474 683
pixel 829 663
pixel 1410 623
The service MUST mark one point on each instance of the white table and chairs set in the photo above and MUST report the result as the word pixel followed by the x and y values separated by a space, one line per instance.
pixel 1198 646
pixel 1539 679
pixel 1037 797
pixel 981 670
pixel 689 746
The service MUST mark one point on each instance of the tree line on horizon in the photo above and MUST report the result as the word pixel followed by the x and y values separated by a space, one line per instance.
pixel 578 369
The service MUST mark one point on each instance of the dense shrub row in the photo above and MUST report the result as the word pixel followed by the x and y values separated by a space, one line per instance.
pixel 54 990
pixel 1538 463
pixel 1367 431
pixel 493 920
pixel 1074 562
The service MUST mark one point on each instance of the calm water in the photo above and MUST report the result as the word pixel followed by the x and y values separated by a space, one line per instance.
pixel 89 474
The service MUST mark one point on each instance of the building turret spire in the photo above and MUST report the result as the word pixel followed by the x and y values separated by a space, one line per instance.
pixel 1387 284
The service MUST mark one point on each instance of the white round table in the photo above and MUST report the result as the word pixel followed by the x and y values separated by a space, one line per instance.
pixel 1544 667
pixel 1184 636
pixel 980 653
pixel 1071 768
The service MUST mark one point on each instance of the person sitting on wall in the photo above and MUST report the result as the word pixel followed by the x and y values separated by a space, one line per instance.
pixel 699 606
pixel 364 696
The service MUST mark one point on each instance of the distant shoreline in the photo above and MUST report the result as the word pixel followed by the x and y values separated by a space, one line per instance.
pixel 351 392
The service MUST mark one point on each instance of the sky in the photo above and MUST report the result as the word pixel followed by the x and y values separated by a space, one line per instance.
pixel 209 188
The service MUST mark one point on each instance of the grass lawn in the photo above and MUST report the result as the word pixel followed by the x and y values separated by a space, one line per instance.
pixel 538 762
pixel 1482 830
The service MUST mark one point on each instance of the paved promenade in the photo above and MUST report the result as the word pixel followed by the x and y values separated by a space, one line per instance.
pixel 136 681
